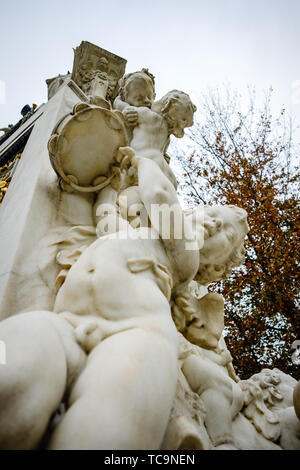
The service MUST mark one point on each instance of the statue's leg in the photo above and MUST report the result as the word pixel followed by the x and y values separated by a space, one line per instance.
pixel 218 419
pixel 34 378
pixel 123 398
pixel 216 391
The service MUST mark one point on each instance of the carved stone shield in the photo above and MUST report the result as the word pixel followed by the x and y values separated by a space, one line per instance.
pixel 84 144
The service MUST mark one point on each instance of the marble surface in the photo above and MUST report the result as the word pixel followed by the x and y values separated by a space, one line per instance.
pixel 113 339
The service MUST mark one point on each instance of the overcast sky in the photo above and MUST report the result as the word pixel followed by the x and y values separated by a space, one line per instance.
pixel 186 44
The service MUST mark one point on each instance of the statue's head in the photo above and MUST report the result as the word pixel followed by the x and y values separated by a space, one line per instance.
pixel 103 64
pixel 87 72
pixel 222 230
pixel 267 377
pixel 137 88
pixel 178 110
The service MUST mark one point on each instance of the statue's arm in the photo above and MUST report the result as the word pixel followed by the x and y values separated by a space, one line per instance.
pixel 195 370
pixel 159 196
pixel 119 104
pixel 106 199
pixel 130 113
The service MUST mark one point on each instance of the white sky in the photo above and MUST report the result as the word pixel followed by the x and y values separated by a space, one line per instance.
pixel 187 45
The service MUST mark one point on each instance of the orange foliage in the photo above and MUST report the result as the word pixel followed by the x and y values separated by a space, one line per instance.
pixel 253 167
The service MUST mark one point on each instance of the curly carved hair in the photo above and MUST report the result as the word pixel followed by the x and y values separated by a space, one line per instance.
pixel 124 81
pixel 174 96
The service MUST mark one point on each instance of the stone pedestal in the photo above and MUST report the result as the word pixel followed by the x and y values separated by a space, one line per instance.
pixel 29 211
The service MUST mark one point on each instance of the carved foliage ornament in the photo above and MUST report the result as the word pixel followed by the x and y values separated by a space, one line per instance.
pixel 97 71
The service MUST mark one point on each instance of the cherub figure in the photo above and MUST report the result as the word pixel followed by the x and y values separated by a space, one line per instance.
pixel 206 364
pixel 124 392
pixel 136 90
pixel 153 123
pixel 135 322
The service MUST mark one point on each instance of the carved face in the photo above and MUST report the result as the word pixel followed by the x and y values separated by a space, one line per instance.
pixel 222 235
pixel 87 75
pixel 103 64
pixel 139 90
pixel 267 376
pixel 179 116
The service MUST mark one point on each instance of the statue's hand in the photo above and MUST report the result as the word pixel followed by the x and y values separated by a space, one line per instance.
pixel 131 116
pixel 126 157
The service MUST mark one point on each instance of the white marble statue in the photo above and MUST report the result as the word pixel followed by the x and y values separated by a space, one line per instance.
pixel 120 288
pixel 134 322
pixel 153 123
pixel 85 175
pixel 150 137
pixel 131 355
